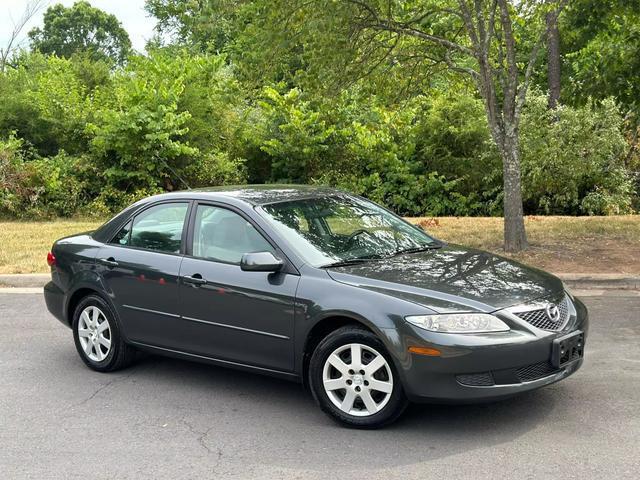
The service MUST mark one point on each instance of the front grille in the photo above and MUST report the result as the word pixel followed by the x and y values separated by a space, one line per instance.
pixel 476 379
pixel 539 318
pixel 535 371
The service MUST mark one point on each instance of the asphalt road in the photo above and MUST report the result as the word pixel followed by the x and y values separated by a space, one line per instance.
pixel 166 418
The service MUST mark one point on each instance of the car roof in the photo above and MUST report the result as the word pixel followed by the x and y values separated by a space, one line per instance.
pixel 253 194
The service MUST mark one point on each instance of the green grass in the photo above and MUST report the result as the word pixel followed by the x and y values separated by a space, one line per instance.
pixel 559 244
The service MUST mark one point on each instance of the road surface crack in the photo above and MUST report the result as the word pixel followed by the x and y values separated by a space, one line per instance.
pixel 103 387
pixel 200 436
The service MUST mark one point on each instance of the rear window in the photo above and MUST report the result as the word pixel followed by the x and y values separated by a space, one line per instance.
pixel 157 228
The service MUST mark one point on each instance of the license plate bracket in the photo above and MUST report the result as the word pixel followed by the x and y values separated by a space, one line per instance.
pixel 567 349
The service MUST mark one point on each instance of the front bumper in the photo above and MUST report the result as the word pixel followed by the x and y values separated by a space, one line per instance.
pixel 484 367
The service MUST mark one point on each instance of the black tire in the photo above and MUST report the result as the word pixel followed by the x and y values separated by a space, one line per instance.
pixel 395 405
pixel 120 355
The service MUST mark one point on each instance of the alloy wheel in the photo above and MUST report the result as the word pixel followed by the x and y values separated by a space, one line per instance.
pixel 357 379
pixel 94 333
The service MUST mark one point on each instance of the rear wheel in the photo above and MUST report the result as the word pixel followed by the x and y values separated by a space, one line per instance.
pixel 353 379
pixel 97 336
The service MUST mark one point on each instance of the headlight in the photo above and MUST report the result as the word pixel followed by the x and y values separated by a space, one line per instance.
pixel 459 323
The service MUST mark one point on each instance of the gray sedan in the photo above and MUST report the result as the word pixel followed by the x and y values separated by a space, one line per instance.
pixel 317 286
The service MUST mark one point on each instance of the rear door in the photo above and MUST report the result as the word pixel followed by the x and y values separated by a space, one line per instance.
pixel 228 313
pixel 140 269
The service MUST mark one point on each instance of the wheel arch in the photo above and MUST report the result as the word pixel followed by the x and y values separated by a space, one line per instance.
pixel 76 297
pixel 81 292
pixel 320 330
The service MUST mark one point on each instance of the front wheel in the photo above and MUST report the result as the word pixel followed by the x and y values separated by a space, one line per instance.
pixel 353 379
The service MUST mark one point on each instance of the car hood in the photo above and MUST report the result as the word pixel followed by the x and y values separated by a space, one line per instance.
pixel 452 279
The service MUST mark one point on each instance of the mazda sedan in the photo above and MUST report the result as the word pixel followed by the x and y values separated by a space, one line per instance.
pixel 316 286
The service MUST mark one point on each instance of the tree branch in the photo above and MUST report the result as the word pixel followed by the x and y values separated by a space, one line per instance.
pixel 467 18
pixel 457 68
pixel 508 105
pixel 396 27
pixel 32 7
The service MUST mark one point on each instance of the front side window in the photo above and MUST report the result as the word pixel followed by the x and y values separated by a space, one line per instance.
pixel 222 235
pixel 343 228
pixel 158 228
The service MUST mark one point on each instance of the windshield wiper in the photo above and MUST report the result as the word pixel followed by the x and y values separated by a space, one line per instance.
pixel 352 261
pixel 423 248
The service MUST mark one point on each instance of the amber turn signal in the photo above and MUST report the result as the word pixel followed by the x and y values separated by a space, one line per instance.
pixel 430 352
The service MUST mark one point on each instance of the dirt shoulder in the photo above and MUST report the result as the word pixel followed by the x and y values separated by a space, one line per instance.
pixel 557 244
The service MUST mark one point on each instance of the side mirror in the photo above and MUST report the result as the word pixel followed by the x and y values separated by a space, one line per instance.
pixel 260 262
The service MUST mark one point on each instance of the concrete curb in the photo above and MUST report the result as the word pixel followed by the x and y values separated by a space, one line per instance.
pixel 603 281
pixel 595 281
pixel 24 280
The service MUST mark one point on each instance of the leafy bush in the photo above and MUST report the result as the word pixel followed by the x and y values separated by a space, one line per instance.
pixel 138 129
pixel 361 144
pixel 215 168
pixel 111 200
pixel 12 175
pixel 299 139
pixel 91 140
pixel 43 187
pixel 572 159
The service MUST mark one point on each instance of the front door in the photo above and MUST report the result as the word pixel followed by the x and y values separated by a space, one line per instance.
pixel 140 269
pixel 228 313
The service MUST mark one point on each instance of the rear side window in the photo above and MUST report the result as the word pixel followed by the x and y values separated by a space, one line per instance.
pixel 158 228
pixel 122 237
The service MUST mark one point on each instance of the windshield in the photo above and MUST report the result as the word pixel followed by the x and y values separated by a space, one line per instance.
pixel 342 228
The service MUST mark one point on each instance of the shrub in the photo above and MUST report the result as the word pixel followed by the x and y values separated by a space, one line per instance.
pixel 215 168
pixel 111 200
pixel 43 187
pixel 572 159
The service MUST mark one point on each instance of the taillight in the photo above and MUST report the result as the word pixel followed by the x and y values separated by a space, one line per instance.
pixel 51 259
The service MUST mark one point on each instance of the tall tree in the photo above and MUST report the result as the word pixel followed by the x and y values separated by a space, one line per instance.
pixel 601 51
pixel 488 40
pixel 81 28
pixel 495 43
pixel 206 24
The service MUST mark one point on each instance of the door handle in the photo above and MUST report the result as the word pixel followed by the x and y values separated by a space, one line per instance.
pixel 195 279
pixel 109 262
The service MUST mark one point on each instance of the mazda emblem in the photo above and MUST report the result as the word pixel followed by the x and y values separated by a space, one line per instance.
pixel 553 312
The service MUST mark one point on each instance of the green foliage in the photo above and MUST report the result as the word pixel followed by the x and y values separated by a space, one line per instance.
pixel 299 139
pixel 209 25
pixel 46 103
pixel 80 134
pixel 12 175
pixel 38 188
pixel 138 130
pixel 602 51
pixel 215 168
pixel 357 143
pixel 453 139
pixel 572 159
pixel 81 28
pixel 110 199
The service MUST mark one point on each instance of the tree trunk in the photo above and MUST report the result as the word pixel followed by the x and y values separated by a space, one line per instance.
pixel 515 237
pixel 553 59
